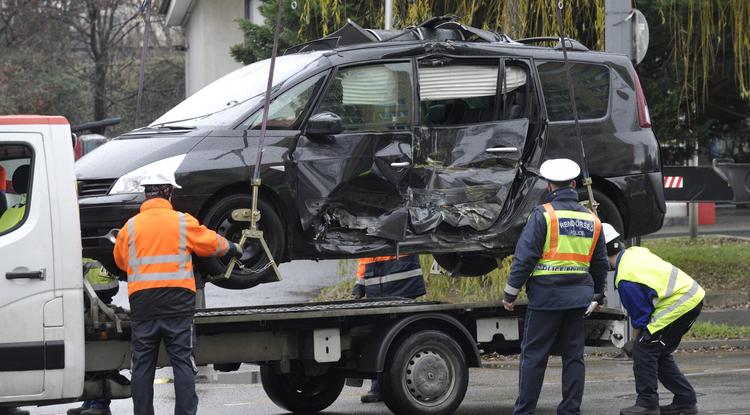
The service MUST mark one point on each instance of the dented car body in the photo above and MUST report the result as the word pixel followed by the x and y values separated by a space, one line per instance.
pixel 425 145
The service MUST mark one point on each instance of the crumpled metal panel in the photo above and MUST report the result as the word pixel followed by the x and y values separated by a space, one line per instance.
pixel 349 183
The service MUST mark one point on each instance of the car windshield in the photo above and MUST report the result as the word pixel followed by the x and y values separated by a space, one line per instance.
pixel 225 100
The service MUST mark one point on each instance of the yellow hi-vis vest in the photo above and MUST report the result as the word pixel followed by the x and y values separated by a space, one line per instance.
pixel 570 242
pixel 676 292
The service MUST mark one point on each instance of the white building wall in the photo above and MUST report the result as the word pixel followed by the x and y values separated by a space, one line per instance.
pixel 210 31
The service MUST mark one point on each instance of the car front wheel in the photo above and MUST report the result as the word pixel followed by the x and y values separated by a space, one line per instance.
pixel 255 268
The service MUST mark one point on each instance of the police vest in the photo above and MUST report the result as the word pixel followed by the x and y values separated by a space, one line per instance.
pixel 676 292
pixel 97 276
pixel 570 242
pixel 12 217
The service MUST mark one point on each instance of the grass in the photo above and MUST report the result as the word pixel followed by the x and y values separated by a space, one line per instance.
pixel 713 331
pixel 715 262
pixel 439 287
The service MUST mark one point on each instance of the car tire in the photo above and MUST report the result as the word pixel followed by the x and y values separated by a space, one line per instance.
pixel 425 374
pixel 257 269
pixel 607 209
pixel 299 393
pixel 467 264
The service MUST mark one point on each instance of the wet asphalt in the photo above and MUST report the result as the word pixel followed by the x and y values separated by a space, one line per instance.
pixel 721 378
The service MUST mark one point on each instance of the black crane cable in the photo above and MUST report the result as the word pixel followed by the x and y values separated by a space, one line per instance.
pixel 584 167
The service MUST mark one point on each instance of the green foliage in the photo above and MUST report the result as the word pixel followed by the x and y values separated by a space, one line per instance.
pixel 712 331
pixel 439 287
pixel 715 262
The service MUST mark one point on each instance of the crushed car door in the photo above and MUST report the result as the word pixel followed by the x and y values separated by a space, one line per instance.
pixel 475 123
pixel 352 175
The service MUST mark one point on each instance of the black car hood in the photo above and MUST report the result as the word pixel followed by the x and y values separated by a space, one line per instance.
pixel 131 151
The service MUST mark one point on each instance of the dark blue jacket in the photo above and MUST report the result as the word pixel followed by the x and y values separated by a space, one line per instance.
pixel 390 277
pixel 554 292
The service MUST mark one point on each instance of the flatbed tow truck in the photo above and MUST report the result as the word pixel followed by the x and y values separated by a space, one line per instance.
pixel 54 350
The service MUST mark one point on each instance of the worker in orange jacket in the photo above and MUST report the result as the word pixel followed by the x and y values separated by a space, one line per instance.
pixel 154 248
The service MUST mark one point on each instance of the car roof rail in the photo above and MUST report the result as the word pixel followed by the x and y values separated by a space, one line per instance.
pixel 440 29
pixel 570 44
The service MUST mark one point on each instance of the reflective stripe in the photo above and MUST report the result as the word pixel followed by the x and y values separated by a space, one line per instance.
pixel 360 282
pixel 544 267
pixel 511 290
pixel 158 276
pixel 672 282
pixel 183 236
pixel 131 249
pixel 687 296
pixel 162 259
pixel 393 277
pixel 222 245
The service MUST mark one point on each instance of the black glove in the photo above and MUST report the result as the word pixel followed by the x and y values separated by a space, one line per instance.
pixel 599 298
pixel 237 250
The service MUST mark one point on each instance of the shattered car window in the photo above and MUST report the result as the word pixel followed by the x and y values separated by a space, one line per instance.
pixel 372 97
pixel 287 109
pixel 467 94
pixel 225 100
pixel 591 83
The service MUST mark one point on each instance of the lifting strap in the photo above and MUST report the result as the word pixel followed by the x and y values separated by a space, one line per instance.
pixel 584 169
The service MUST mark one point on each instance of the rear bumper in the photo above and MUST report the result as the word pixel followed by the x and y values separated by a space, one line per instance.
pixel 643 198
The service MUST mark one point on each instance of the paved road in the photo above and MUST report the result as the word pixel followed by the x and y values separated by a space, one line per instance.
pixel 721 379
pixel 729 221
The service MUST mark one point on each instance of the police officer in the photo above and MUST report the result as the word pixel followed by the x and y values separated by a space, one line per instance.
pixel 663 303
pixel 558 253
pixel 154 248
pixel 387 276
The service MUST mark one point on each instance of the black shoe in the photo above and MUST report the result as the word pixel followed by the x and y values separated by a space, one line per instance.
pixel 676 409
pixel 371 397
pixel 639 410
pixel 76 411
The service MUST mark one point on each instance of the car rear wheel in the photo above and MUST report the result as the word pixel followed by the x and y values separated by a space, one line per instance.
pixel 467 264
pixel 256 268
pixel 607 209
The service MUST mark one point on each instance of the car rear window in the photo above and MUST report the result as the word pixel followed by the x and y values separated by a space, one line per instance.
pixel 591 83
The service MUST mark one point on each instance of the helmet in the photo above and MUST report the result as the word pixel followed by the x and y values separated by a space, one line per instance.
pixel 560 170
pixel 159 177
pixel 610 233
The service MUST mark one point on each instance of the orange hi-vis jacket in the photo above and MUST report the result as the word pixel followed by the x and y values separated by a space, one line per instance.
pixel 155 247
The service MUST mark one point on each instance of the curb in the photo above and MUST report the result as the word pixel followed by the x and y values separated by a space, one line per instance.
pixel 685 345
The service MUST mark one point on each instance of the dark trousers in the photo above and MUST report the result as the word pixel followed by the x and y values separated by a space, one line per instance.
pixel 179 339
pixel 542 331
pixel 653 363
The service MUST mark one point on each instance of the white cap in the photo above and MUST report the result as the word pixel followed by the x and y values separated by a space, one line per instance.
pixel 158 177
pixel 610 233
pixel 560 170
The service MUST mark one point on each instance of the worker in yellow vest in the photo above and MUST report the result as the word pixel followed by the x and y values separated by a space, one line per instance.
pixel 13 215
pixel 662 302
pixel 562 261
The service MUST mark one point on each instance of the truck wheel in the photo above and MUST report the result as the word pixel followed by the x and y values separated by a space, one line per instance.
pixel 467 264
pixel 426 373
pixel 256 269
pixel 607 211
pixel 299 393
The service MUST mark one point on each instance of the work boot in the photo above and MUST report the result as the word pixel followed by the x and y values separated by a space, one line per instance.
pixel 677 409
pixel 639 410
pixel 96 411
pixel 371 397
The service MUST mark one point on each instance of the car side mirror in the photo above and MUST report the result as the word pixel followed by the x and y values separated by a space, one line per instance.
pixel 324 124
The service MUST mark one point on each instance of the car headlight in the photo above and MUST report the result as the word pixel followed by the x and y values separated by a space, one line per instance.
pixel 130 182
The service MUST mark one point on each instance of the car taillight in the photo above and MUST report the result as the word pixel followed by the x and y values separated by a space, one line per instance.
pixel 644 118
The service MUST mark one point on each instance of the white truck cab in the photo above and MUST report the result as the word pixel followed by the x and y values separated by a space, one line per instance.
pixel 41 295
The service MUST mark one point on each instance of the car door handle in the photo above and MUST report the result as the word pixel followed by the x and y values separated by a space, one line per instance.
pixel 31 275
pixel 497 150
pixel 401 164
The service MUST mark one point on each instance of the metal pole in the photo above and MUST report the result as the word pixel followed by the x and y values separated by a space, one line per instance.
pixel 388 14
pixel 693 206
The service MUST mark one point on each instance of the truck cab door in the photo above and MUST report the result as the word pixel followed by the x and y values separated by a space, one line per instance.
pixel 353 182
pixel 38 353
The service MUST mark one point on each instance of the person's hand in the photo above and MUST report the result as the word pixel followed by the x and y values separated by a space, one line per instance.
pixel 594 306
pixel 508 306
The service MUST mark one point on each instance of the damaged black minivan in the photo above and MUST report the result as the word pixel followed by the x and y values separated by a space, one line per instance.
pixel 423 140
